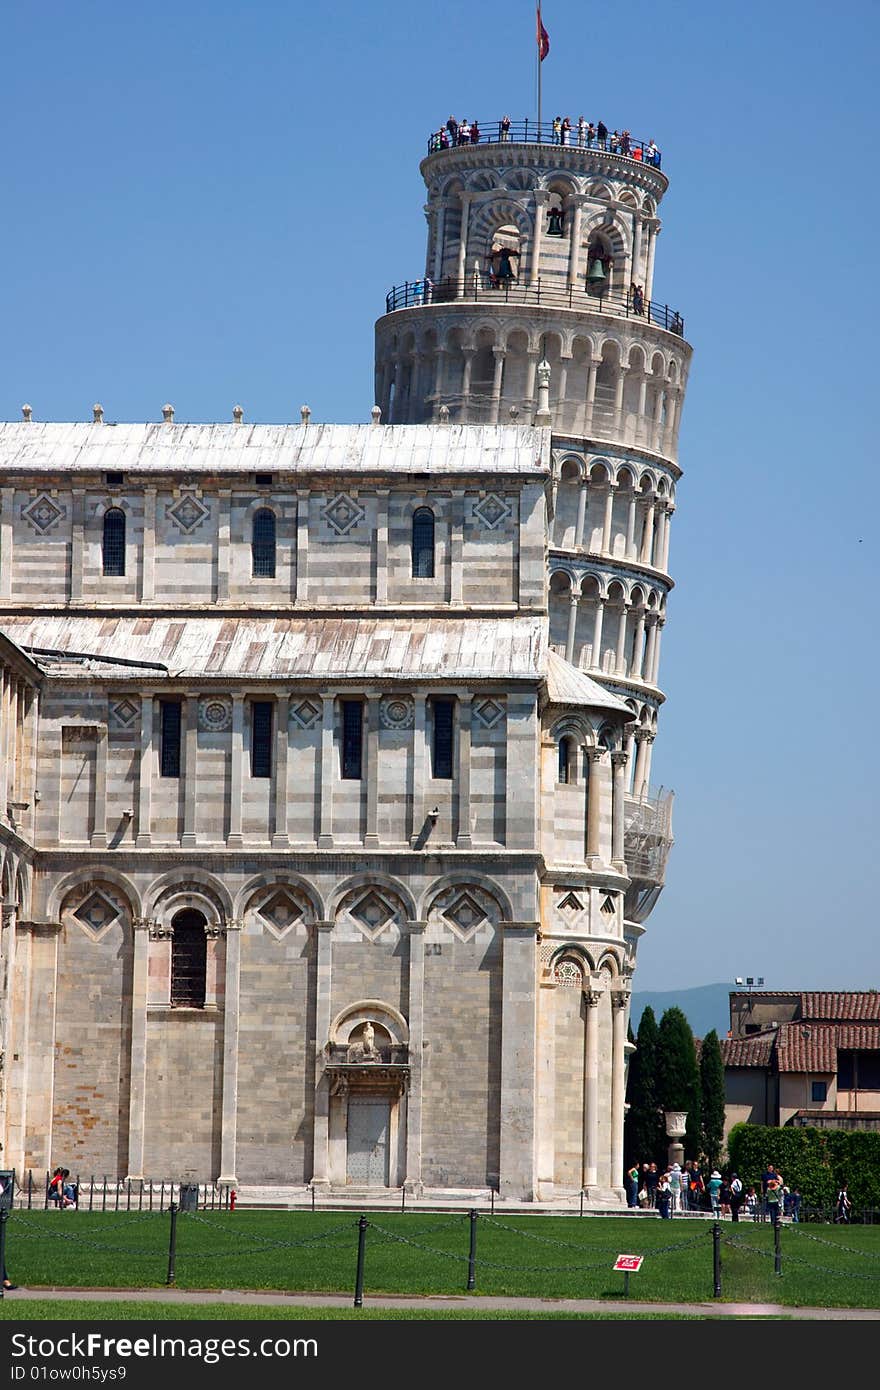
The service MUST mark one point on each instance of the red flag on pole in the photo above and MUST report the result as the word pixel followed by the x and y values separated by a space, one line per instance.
pixel 542 37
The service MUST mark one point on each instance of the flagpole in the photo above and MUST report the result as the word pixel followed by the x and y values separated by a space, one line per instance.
pixel 538 60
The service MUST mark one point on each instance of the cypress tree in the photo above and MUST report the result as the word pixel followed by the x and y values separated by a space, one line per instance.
pixel 712 1099
pixel 678 1076
pixel 644 1127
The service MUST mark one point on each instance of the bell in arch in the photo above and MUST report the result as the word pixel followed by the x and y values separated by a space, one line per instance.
pixel 596 276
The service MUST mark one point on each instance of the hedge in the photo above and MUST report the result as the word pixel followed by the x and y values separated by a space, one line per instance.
pixel 816 1161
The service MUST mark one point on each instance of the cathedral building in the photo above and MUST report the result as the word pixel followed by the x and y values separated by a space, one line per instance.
pixel 327 833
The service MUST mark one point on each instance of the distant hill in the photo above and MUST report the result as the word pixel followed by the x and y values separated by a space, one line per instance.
pixel 705 1008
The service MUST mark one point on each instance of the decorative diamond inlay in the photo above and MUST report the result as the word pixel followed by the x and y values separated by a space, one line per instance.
pixel 608 907
pixel 397 712
pixel 306 714
pixel 488 712
pixel 571 903
pixel 97 912
pixel 342 514
pixel 465 913
pixel 215 713
pixel 281 912
pixel 492 510
pixel 43 514
pixel 372 912
pixel 187 513
pixel 123 713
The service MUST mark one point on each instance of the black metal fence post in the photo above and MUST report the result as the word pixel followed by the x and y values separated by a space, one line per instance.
pixel 30 1188
pixel 4 1217
pixel 46 1193
pixel 582 1201
pixel 472 1253
pixel 91 1192
pixel 104 1194
pixel 359 1277
pixel 492 1202
pixel 716 1259
pixel 172 1243
pixel 777 1246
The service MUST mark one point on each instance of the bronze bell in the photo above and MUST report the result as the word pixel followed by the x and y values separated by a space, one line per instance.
pixel 554 222
pixel 596 274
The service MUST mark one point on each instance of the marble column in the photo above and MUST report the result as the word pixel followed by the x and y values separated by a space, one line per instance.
pixel 517 1101
pixel 416 1012
pixel 148 548
pixel 664 557
pixel 499 353
pixel 145 776
pixel 619 1002
pixel 137 1096
pixel 236 754
pixel 463 835
pixel 98 838
pixel 594 805
pixel 651 620
pixel 321 1134
pixel 645 557
pixel 575 202
pixel 229 1101
pixel 190 771
pixel 606 524
pixel 542 197
pixel 280 838
pixel 635 671
pixel 325 793
pixel 620 653
pixel 302 545
pixel 618 800
pixel 419 759
pixel 596 654
pixel 583 488
pixel 572 626
pixel 591 1087
pixel 371 837
pixel 465 199
pixel 595 363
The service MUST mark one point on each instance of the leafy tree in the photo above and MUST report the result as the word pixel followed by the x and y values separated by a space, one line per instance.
pixel 643 1137
pixel 711 1099
pixel 678 1076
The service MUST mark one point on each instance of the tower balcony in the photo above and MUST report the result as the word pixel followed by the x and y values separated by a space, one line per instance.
pixel 546 294
pixel 621 144
pixel 647 841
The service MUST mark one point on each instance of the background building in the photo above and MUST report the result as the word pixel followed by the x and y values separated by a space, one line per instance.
pixel 803 1058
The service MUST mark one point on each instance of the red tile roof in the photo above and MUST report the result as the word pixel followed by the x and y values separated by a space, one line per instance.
pixel 800 1047
pixel 847 1006
pixel 755 1051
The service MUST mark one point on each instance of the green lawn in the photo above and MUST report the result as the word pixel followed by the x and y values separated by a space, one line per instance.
pixel 546 1256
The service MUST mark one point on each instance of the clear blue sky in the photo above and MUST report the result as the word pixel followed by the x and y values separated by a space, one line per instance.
pixel 206 203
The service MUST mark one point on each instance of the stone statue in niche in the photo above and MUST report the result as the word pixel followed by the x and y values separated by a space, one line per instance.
pixel 363 1049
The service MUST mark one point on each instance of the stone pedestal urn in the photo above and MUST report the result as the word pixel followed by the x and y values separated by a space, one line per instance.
pixel 676 1125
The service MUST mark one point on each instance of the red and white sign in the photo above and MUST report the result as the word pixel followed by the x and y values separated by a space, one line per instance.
pixel 630 1263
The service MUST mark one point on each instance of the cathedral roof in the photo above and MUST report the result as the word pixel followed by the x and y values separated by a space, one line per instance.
pixel 566 685
pixel 28 446
pixel 446 648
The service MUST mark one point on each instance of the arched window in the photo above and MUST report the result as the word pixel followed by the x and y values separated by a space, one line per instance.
pixel 113 547
pixel 566 769
pixel 189 960
pixel 263 544
pixel 423 543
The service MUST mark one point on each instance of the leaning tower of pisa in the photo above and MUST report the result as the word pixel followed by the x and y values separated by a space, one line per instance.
pixel 538 303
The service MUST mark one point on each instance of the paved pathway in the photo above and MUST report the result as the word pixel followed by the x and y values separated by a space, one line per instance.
pixel 476 1302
